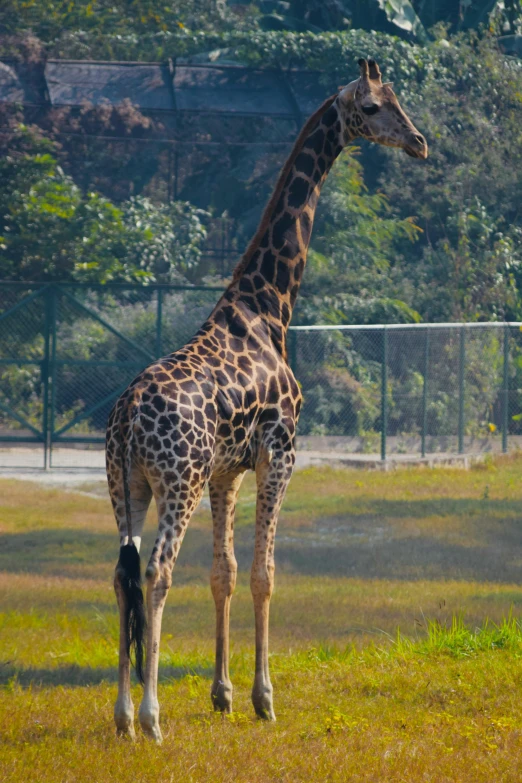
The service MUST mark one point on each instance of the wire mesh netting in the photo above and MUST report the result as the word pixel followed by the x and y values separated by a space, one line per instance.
pixel 67 351
pixel 411 389
pixel 71 83
pixel 23 325
pixel 103 339
pixel 173 87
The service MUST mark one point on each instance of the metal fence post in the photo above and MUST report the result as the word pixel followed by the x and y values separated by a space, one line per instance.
pixel 52 373
pixel 425 391
pixel 384 392
pixel 505 391
pixel 49 374
pixel 176 174
pixel 292 350
pixel 159 323
pixel 45 377
pixel 462 363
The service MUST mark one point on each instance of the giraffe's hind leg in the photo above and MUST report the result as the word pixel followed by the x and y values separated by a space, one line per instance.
pixel 223 496
pixel 273 472
pixel 140 495
pixel 175 507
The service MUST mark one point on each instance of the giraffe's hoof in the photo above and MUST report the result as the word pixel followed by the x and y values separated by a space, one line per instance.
pixel 124 720
pixel 221 695
pixel 265 713
pixel 126 732
pixel 149 721
pixel 263 705
pixel 153 733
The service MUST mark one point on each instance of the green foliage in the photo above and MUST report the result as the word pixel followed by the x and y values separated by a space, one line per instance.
pixel 92 21
pixel 49 19
pixel 406 17
pixel 461 205
pixel 355 238
pixel 332 52
pixel 50 230
pixel 311 16
pixel 454 639
pixel 402 14
pixel 466 265
pixel 353 241
pixel 476 266
pixel 417 16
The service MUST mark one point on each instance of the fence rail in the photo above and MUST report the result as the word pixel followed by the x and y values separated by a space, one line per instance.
pixel 68 350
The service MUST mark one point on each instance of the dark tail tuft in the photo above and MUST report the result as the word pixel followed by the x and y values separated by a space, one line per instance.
pixel 135 622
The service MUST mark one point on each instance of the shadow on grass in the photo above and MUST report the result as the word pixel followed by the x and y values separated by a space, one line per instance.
pixel 58 551
pixel 434 507
pixel 49 550
pixel 80 676
pixel 406 559
pixel 362 545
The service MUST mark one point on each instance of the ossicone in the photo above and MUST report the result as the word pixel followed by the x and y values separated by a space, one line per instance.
pixel 369 69
pixel 374 70
pixel 363 65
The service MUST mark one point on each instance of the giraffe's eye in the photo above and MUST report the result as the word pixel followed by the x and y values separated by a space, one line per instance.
pixel 369 110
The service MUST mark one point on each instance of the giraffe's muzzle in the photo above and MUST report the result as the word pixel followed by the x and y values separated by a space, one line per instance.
pixel 417 148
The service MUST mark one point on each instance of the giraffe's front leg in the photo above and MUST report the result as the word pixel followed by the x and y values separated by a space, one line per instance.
pixel 273 471
pixel 223 496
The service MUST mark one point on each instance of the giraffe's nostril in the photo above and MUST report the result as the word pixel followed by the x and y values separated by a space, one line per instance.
pixel 419 138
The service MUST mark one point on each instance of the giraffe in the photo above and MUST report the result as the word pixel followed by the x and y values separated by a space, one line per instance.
pixel 225 403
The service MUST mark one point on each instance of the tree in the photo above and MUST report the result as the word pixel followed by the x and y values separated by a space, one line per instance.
pixel 411 18
pixel 50 230
pixel 353 260
pixel 115 17
pixel 466 265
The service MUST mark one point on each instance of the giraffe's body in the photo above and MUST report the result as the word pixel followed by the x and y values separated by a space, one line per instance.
pixel 227 402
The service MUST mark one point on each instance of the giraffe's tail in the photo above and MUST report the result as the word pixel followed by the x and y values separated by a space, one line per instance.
pixel 129 566
pixel 128 569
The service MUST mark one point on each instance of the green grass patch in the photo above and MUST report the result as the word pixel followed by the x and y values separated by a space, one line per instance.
pixel 396 648
pixel 385 713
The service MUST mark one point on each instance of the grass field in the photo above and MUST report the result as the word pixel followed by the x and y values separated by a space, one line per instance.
pixel 396 648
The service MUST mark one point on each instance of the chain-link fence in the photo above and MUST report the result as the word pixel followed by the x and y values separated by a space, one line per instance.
pixel 67 351
pixel 411 389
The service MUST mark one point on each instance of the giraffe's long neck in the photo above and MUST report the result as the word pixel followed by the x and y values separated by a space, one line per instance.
pixel 268 278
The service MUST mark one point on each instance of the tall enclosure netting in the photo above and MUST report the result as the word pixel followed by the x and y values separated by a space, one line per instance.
pixel 68 351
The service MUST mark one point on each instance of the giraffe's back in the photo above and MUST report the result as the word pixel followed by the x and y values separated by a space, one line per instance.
pixel 205 408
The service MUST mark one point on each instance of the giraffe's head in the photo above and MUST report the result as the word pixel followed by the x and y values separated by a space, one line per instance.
pixel 373 112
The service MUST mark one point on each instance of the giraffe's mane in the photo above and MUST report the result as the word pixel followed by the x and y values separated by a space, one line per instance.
pixel 274 198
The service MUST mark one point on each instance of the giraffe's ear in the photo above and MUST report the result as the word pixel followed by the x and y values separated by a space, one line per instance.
pixel 387 84
pixel 348 93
